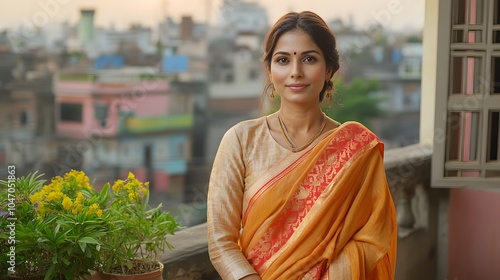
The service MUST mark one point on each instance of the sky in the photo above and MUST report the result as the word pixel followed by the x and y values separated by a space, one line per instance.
pixel 393 14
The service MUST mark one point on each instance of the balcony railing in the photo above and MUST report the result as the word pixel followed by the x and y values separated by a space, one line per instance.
pixel 417 207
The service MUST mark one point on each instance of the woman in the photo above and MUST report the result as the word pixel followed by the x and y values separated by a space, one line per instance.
pixel 296 195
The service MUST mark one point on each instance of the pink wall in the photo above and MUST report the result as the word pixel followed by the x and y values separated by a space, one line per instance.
pixel 146 105
pixel 474 234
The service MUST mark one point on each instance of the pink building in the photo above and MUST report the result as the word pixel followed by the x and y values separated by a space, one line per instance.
pixel 120 120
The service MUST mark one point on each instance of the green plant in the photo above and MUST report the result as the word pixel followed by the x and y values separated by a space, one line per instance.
pixel 66 229
pixel 19 244
pixel 58 226
pixel 136 232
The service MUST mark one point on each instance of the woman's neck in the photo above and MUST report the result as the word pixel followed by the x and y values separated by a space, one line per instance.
pixel 301 120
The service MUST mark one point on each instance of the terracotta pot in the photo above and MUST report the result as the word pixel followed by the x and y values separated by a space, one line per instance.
pixel 153 275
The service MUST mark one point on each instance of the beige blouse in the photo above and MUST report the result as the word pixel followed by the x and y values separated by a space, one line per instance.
pixel 246 151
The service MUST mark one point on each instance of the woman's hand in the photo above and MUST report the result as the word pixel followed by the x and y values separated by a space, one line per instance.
pixel 251 277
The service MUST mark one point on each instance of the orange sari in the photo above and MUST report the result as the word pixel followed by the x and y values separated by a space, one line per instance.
pixel 326 213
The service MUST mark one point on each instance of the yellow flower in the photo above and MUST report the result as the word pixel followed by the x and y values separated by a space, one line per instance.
pixel 82 179
pixel 117 186
pixel 132 196
pixel 41 208
pixel 79 197
pixel 93 208
pixel 77 207
pixel 99 213
pixel 55 185
pixel 37 197
pixel 54 196
pixel 67 203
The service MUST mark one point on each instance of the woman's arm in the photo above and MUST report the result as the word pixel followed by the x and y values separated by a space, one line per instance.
pixel 224 206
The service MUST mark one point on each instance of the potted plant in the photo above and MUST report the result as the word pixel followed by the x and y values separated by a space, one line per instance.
pixel 57 226
pixel 18 222
pixel 136 233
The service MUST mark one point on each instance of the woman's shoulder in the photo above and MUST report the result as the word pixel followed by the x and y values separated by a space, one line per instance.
pixel 250 125
pixel 244 128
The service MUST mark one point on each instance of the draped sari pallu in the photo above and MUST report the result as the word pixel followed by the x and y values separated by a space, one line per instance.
pixel 325 213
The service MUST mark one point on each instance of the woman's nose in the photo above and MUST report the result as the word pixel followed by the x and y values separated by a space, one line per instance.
pixel 296 70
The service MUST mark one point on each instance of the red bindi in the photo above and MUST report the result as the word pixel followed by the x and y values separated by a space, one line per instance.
pixel 294 53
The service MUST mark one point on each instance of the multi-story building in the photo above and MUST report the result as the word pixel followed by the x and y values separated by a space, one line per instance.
pixel 26 123
pixel 114 121
pixel 397 68
pixel 238 15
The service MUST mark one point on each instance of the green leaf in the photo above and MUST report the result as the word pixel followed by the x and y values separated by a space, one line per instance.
pixel 82 245
pixel 64 260
pixel 49 275
pixel 88 239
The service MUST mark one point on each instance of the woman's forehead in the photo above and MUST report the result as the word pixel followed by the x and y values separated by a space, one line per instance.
pixel 295 41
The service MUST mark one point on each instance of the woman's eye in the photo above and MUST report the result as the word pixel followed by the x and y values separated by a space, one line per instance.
pixel 282 60
pixel 310 59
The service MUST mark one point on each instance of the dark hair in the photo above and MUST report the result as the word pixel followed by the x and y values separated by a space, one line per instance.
pixel 320 33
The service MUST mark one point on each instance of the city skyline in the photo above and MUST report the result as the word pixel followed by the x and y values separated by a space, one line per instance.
pixel 392 14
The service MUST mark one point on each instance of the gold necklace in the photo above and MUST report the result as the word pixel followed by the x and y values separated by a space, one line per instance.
pixel 288 138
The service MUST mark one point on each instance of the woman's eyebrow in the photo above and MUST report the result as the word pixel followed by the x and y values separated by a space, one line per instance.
pixel 287 53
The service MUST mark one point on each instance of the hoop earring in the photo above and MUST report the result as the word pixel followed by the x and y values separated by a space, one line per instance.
pixel 271 95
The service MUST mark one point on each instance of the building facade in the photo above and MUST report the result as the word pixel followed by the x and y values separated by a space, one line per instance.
pixel 119 120
pixel 27 102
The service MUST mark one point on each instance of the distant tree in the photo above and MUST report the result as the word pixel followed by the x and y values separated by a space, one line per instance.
pixel 159 47
pixel 379 39
pixel 354 102
pixel 414 39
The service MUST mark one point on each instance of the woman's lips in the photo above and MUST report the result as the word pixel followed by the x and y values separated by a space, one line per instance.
pixel 297 87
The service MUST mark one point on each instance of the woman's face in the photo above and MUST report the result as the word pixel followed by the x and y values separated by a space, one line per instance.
pixel 298 69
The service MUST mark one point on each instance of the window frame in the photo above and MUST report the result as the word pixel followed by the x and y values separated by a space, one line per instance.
pixel 481 102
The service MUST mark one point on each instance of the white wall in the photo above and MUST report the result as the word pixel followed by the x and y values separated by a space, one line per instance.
pixel 429 63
